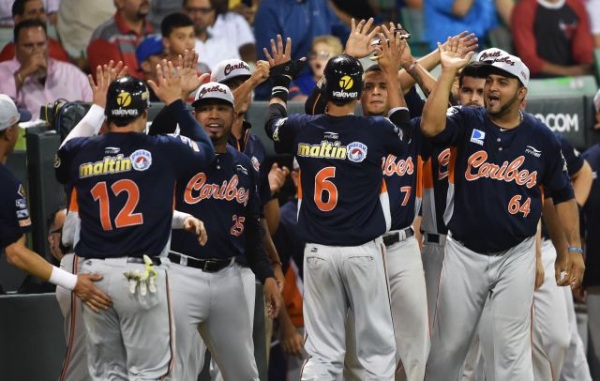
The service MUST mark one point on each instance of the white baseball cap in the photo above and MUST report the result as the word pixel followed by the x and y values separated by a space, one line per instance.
pixel 213 90
pixel 490 54
pixel 597 101
pixel 10 114
pixel 505 62
pixel 230 69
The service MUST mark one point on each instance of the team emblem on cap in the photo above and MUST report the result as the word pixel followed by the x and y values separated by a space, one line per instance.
pixel 124 99
pixel 357 152
pixel 346 82
pixel 141 160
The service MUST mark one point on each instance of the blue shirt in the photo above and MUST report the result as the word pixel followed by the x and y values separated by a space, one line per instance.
pixel 14 216
pixel 440 23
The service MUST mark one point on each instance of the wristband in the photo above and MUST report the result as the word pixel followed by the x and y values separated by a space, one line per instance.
pixel 63 278
pixel 281 84
pixel 576 250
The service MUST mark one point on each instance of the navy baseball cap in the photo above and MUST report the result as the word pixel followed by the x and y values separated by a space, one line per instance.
pixel 150 46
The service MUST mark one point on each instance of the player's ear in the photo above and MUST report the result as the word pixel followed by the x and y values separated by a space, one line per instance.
pixel 522 92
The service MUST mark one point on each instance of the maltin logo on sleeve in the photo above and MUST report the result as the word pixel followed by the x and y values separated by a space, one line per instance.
pixel 477 136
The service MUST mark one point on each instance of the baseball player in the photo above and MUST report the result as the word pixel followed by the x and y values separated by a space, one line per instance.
pixel 343 211
pixel 124 182
pixel 15 221
pixel 493 209
pixel 224 194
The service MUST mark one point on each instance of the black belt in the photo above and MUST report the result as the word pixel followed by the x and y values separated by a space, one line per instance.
pixel 433 238
pixel 394 237
pixel 207 265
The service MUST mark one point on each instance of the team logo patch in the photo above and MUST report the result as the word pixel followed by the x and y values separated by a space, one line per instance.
pixel 278 124
pixel 331 135
pixel 141 160
pixel 346 82
pixel 357 152
pixel 124 99
pixel 255 163
pixel 477 136
pixel 533 151
pixel 21 191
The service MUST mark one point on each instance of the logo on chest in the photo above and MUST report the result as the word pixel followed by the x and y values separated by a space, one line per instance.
pixel 477 137
pixel 478 167
pixel 197 189
pixel 400 167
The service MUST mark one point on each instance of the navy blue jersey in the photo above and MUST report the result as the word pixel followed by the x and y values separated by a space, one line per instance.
pixel 286 239
pixel 125 184
pixel 402 177
pixel 591 221
pixel 343 198
pixel 253 147
pixel 14 215
pixel 495 178
pixel 222 195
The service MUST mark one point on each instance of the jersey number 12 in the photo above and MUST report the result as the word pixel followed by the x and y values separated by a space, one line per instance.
pixel 125 217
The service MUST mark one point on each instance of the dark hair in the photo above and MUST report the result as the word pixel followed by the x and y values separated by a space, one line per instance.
pixel 18 7
pixel 172 21
pixel 375 68
pixel 471 70
pixel 32 23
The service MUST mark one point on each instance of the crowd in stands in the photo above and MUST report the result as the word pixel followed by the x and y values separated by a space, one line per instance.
pixel 47 48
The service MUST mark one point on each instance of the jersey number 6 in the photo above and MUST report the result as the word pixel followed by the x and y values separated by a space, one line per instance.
pixel 125 217
pixel 324 185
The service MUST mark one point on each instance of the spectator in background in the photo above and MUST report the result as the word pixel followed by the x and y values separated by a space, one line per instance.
pixel 323 47
pixel 178 36
pixel 593 9
pixel 77 20
pixel 445 18
pixel 118 37
pixel 159 9
pixel 7 17
pixel 33 79
pixel 233 26
pixel 553 37
pixel 302 21
pixel 27 10
pixel 246 8
pixel 211 49
pixel 150 53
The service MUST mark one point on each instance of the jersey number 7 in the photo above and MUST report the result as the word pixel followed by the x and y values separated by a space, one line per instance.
pixel 125 217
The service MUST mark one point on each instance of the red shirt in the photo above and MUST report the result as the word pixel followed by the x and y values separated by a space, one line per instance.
pixel 115 40
pixel 55 50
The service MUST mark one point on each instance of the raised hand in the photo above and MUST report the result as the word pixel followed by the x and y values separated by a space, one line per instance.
pixel 279 55
pixel 277 176
pixel 188 71
pixel 260 73
pixel 360 38
pixel 168 88
pixel 391 50
pixel 452 56
pixel 105 74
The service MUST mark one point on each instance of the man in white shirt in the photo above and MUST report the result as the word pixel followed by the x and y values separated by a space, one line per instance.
pixel 233 26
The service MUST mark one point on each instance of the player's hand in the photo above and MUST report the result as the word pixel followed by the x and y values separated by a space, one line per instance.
pixel 452 56
pixel 292 342
pixel 105 74
pixel 468 42
pixel 196 226
pixel 272 297
pixel 168 88
pixel 91 295
pixel 359 41
pixel 569 269
pixel 188 71
pixel 35 63
pixel 539 272
pixel 260 73
pixel 279 55
pixel 277 177
pixel 390 55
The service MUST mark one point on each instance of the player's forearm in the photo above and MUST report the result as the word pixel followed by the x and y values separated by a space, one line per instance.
pixel 275 112
pixel 582 183
pixel 189 127
pixel 568 215
pixel 164 123
pixel 434 111
pixel 179 219
pixel 413 73
pixel 272 215
pixel 88 126
pixel 268 242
